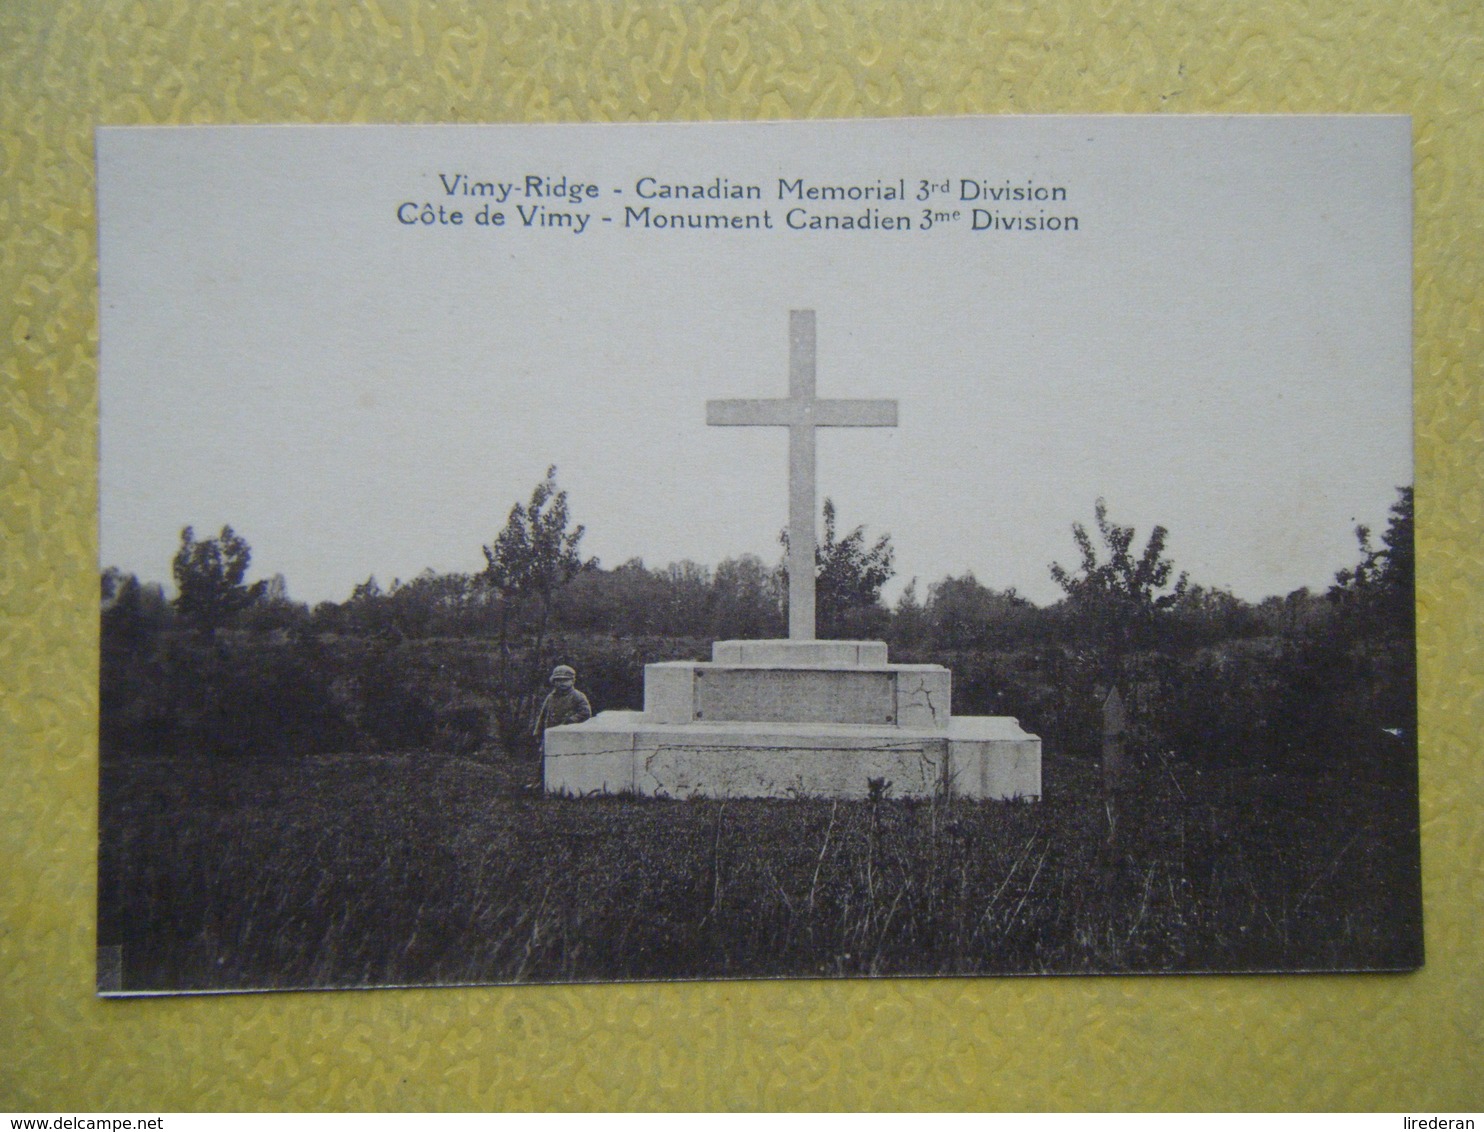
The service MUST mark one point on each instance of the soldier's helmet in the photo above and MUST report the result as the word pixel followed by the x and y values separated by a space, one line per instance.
pixel 563 672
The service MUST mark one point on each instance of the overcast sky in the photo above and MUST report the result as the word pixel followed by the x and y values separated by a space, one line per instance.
pixel 1221 346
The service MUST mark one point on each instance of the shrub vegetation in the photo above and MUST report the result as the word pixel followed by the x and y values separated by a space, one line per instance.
pixel 343 796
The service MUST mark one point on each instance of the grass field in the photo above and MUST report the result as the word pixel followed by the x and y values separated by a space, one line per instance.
pixel 419 868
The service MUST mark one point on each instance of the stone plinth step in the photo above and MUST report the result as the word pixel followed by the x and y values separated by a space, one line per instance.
pixel 619 751
pixel 992 756
pixel 898 695
pixel 788 653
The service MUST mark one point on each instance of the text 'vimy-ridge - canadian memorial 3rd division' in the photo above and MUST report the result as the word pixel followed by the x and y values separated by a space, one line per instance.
pixel 799 717
pixel 451 632
pixel 542 203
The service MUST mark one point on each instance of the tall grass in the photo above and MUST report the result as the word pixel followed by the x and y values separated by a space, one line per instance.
pixel 418 868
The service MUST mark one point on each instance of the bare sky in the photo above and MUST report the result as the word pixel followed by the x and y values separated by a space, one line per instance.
pixel 1222 346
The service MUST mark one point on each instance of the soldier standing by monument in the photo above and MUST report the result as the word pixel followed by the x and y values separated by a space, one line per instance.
pixel 563 704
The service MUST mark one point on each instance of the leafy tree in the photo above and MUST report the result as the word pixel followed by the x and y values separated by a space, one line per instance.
pixel 531 559
pixel 620 602
pixel 535 554
pixel 687 599
pixel 434 603
pixel 1382 584
pixel 133 612
pixel 112 582
pixel 909 619
pixel 746 602
pixel 431 604
pixel 1209 615
pixel 737 599
pixel 364 611
pixel 964 613
pixel 275 610
pixel 1374 634
pixel 1124 594
pixel 848 579
pixel 209 579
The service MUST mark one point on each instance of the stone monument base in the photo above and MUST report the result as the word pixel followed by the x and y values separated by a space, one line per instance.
pixel 783 719
pixel 622 751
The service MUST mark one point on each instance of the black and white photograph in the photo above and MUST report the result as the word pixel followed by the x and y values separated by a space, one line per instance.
pixel 636 552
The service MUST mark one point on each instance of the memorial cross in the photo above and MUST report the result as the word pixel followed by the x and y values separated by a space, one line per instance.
pixel 801 413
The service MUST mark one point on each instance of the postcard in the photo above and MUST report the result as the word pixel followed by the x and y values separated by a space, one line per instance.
pixel 961 547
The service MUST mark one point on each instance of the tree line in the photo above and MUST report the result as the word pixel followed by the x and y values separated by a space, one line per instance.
pixel 536 582
pixel 1199 665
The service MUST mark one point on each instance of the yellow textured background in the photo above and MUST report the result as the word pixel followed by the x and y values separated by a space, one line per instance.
pixel 1413 1041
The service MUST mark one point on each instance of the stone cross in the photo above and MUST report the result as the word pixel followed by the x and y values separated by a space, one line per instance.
pixel 801 412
